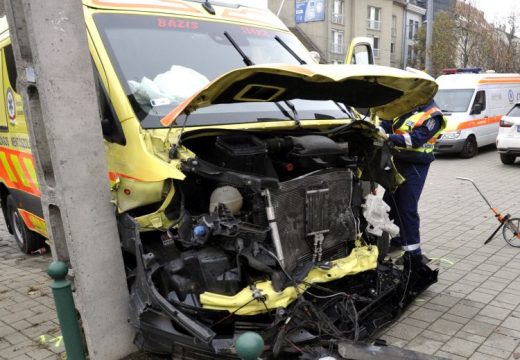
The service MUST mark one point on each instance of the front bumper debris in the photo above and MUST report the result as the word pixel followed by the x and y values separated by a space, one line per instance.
pixel 318 317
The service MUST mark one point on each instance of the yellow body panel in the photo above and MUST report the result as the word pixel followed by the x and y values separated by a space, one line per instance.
pixel 244 303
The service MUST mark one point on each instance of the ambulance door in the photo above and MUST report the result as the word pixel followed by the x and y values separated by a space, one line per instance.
pixel 4 141
pixel 17 158
pixel 13 101
pixel 479 117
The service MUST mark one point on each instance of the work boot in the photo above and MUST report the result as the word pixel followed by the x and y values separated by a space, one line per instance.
pixel 424 260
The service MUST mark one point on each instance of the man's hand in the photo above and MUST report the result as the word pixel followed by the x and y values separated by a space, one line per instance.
pixel 382 132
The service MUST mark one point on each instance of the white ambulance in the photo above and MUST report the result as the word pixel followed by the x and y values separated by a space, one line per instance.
pixel 474 105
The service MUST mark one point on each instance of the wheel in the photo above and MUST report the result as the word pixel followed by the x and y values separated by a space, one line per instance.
pixel 507 159
pixel 27 240
pixel 511 232
pixel 470 148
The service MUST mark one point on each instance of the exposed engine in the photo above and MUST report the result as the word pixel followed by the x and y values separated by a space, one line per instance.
pixel 269 237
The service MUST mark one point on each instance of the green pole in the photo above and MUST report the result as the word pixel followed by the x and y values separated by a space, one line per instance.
pixel 249 346
pixel 66 310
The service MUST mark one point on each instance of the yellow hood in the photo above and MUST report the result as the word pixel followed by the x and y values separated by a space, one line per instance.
pixel 390 92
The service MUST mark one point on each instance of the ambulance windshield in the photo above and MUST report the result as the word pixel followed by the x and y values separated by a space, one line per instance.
pixel 163 60
pixel 454 100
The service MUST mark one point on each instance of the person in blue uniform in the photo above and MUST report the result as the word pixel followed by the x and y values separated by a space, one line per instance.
pixel 413 136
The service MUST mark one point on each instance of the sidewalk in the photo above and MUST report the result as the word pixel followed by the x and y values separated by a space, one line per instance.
pixel 473 312
pixel 28 325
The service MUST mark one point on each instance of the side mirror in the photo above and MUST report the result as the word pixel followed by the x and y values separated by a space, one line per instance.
pixel 477 109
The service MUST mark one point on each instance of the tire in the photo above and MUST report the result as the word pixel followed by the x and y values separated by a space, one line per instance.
pixel 507 159
pixel 27 240
pixel 470 148
pixel 510 232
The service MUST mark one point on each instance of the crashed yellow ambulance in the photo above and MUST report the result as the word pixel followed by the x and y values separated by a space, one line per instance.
pixel 239 171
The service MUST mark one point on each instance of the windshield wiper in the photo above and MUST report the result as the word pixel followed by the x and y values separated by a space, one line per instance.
pixel 345 109
pixel 245 58
pixel 289 50
pixel 296 117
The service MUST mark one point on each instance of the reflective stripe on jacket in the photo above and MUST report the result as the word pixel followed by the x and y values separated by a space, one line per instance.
pixel 403 126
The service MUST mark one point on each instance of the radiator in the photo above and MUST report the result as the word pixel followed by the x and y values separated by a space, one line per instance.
pixel 314 207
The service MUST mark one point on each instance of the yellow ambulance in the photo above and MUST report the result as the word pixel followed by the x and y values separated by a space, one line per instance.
pixel 237 167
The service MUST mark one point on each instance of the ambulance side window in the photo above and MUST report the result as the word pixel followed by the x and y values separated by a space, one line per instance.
pixel 110 125
pixel 479 104
pixel 3 110
pixel 11 66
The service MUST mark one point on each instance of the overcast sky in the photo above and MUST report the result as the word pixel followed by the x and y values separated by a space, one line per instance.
pixel 498 10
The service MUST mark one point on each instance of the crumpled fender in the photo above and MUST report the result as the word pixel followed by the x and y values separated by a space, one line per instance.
pixel 262 296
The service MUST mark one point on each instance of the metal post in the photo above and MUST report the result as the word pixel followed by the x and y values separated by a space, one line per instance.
pixel 429 32
pixel 56 81
pixel 66 310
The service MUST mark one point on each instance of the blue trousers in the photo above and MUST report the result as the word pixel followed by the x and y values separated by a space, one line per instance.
pixel 404 204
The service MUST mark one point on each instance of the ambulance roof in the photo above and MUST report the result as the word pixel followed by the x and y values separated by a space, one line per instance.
pixel 251 12
pixel 470 81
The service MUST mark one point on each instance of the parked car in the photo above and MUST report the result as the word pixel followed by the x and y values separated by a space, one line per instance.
pixel 473 105
pixel 508 140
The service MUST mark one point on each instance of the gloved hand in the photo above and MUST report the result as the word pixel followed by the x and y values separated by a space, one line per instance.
pixel 382 132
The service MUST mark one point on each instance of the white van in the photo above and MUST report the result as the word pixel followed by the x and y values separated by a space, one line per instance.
pixel 474 105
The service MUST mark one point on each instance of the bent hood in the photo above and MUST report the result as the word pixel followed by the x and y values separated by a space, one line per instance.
pixel 390 92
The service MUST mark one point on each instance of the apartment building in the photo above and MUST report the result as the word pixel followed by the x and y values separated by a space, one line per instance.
pixel 413 19
pixel 327 26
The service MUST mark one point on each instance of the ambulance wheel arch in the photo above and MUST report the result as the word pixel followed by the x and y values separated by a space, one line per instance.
pixel 470 147
pixel 27 240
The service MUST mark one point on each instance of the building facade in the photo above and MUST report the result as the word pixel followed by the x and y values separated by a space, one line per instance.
pixel 328 26
pixel 414 16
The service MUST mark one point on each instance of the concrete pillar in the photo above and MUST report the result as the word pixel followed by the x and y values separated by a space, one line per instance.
pixel 56 80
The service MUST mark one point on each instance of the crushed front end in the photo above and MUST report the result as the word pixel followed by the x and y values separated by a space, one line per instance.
pixel 269 236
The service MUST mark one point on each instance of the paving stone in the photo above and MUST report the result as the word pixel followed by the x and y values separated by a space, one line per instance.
pixel 482 356
pixel 502 304
pixel 463 310
pixel 495 312
pixel 493 351
pixel 436 336
pixel 460 347
pixel 415 322
pixel 502 342
pixel 455 318
pixel 512 322
pixel 445 300
pixel 480 296
pixel 470 337
pixel 404 331
pixel 426 314
pixel 445 326
pixel 435 307
pixel 486 319
pixel 479 328
pixel 424 345
pixel 22 357
pixel 40 354
pixel 447 355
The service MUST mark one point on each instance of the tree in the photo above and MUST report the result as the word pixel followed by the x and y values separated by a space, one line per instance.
pixel 444 43
pixel 472 30
pixel 463 38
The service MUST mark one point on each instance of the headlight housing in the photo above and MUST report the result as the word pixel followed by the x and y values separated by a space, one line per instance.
pixel 450 135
